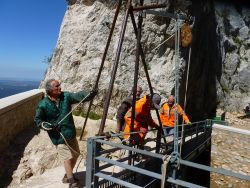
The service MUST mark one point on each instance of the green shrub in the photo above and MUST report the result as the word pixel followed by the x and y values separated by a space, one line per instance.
pixel 76 112
pixel 92 115
pixel 237 41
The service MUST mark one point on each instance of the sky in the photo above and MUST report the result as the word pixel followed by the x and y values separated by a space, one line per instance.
pixel 29 31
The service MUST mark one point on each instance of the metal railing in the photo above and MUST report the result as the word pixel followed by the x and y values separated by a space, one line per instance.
pixel 98 166
pixel 148 168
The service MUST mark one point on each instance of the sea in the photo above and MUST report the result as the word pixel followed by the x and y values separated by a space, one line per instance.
pixel 10 87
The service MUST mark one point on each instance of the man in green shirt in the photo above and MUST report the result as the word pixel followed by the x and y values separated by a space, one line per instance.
pixel 53 114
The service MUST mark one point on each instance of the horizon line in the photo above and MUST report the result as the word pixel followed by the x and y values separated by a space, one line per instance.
pixel 21 79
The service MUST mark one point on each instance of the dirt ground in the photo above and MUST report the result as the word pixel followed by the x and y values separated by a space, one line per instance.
pixel 238 120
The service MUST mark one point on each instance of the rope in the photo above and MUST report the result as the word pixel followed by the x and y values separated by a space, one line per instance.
pixel 189 56
pixel 118 75
pixel 85 98
pixel 121 141
pixel 73 108
pixel 165 159
pixel 185 99
pixel 164 41
pixel 120 155
pixel 50 128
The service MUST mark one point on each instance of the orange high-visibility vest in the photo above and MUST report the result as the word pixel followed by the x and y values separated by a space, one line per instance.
pixel 167 114
pixel 143 118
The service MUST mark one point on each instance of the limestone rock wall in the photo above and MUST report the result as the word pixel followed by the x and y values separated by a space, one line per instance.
pixel 233 27
pixel 82 39
pixel 219 67
pixel 231 151
pixel 31 154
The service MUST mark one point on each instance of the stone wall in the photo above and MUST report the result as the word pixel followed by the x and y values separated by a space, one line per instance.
pixel 231 151
pixel 17 113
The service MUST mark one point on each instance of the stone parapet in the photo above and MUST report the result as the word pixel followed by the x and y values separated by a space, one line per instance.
pixel 231 151
pixel 17 113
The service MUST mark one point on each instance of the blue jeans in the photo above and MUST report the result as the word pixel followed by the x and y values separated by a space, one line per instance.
pixel 168 131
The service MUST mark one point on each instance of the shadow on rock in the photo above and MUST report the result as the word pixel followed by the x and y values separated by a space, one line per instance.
pixel 11 157
pixel 81 176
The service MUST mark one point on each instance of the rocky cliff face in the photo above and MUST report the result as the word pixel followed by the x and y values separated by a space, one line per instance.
pixel 233 32
pixel 218 77
pixel 219 67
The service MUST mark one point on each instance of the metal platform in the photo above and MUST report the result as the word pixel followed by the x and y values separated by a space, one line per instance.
pixel 149 169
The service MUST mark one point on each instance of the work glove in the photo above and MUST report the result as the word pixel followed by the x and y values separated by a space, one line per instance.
pixel 117 130
pixel 143 130
pixel 92 94
pixel 125 141
pixel 48 126
pixel 55 127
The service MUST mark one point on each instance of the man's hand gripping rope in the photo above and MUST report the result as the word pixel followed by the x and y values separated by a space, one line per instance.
pixel 49 127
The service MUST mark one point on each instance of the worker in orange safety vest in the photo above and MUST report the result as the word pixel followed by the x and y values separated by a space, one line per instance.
pixel 142 119
pixel 167 115
pixel 124 107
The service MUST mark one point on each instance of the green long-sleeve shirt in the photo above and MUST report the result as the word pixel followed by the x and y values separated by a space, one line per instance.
pixel 49 111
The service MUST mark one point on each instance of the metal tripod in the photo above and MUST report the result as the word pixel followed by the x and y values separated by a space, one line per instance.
pixel 129 11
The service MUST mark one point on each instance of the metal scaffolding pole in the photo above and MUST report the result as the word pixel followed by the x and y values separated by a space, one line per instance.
pixel 137 61
pixel 175 154
pixel 146 7
pixel 102 63
pixel 148 78
pixel 114 70
pixel 177 64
